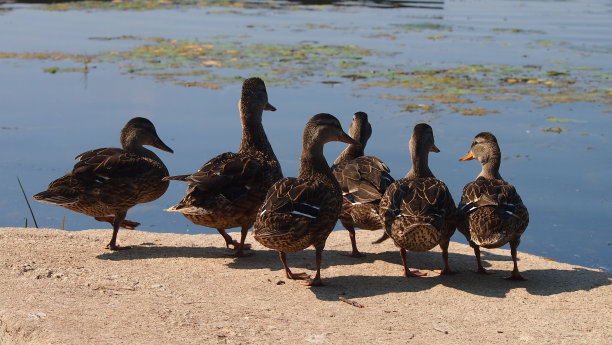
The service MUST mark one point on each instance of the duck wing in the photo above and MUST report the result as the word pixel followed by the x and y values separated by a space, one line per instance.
pixel 103 174
pixel 495 193
pixel 423 200
pixel 299 207
pixel 229 174
pixel 491 212
pixel 363 179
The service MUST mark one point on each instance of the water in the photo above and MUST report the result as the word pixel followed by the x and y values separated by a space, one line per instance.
pixel 563 178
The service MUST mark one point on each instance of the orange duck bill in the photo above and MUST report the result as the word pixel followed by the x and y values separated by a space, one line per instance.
pixel 467 157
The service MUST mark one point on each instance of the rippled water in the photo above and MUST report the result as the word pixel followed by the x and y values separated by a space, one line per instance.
pixel 49 118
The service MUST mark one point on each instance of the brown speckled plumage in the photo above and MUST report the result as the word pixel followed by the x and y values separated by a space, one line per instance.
pixel 300 212
pixel 492 212
pixel 418 211
pixel 228 190
pixel 363 180
pixel 109 181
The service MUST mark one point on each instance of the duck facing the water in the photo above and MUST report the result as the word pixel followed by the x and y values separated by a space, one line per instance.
pixel 228 190
pixel 418 210
pixel 364 180
pixel 106 182
pixel 300 212
pixel 493 213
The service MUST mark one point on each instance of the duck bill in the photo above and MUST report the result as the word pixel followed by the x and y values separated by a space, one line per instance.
pixel 434 148
pixel 158 143
pixel 269 107
pixel 467 157
pixel 345 138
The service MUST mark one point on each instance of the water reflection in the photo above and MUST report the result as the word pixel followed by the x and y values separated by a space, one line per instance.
pixel 375 3
pixel 362 3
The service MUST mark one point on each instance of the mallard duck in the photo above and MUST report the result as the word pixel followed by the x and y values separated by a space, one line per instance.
pixel 418 210
pixel 363 180
pixel 228 190
pixel 300 212
pixel 493 212
pixel 106 182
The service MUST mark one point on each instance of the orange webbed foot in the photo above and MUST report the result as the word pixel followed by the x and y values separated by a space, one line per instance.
pixel 298 276
pixel 313 282
pixel 481 270
pixel 115 247
pixel 240 254
pixel 414 274
pixel 516 276
pixel 236 244
pixel 354 254
pixel 446 271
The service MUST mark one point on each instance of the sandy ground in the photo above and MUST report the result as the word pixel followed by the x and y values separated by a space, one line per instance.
pixel 62 287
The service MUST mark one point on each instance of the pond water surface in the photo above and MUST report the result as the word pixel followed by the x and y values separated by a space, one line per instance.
pixel 535 73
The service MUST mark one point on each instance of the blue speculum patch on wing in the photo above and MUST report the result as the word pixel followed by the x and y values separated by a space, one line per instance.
pixel 306 210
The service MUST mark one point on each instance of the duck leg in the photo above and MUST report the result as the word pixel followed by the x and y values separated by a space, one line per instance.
pixel 118 219
pixel 407 272
pixel 230 242
pixel 480 269
pixel 317 279
pixel 242 246
pixel 516 275
pixel 351 230
pixel 283 257
pixel 127 224
pixel 444 246
pixel 382 238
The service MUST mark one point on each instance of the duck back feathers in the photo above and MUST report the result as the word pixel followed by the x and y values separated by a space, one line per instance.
pixel 493 212
pixel 417 213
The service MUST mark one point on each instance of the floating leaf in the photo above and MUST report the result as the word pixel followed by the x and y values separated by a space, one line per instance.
pixel 425 26
pixel 445 98
pixel 556 73
pixel 554 129
pixel 414 106
pixel 558 119
pixel 476 111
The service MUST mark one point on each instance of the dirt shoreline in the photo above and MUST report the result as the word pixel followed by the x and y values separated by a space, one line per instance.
pixel 62 287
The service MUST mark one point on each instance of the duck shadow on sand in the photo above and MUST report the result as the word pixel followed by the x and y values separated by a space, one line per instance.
pixel 152 251
pixel 541 282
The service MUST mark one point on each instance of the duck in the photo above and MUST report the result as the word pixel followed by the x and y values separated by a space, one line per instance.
pixel 300 212
pixel 106 182
pixel 492 212
pixel 227 191
pixel 364 180
pixel 418 210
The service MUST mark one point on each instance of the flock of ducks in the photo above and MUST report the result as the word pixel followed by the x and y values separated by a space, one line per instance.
pixel 247 189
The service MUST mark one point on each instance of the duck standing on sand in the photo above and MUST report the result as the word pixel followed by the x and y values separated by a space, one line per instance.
pixel 106 182
pixel 228 190
pixel 300 212
pixel 493 212
pixel 364 180
pixel 418 210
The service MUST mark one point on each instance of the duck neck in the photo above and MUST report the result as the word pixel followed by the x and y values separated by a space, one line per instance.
pixel 313 164
pixel 136 148
pixel 254 137
pixel 350 152
pixel 420 166
pixel 490 168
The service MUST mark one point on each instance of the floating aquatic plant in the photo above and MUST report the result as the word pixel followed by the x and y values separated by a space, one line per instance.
pixel 147 5
pixel 555 130
pixel 475 111
pixel 224 59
